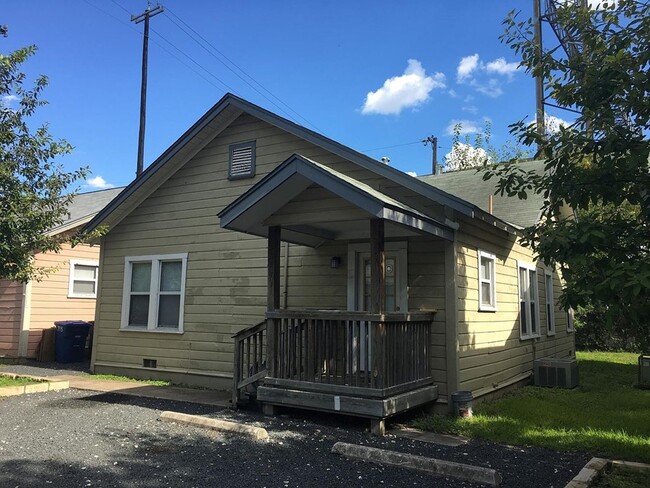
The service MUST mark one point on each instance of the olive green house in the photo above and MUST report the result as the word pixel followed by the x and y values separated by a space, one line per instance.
pixel 257 255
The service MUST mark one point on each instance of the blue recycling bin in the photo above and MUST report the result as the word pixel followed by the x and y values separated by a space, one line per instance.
pixel 70 340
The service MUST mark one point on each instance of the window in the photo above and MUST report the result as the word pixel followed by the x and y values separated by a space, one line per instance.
pixel 154 288
pixel 241 160
pixel 569 320
pixel 528 301
pixel 550 309
pixel 83 279
pixel 487 293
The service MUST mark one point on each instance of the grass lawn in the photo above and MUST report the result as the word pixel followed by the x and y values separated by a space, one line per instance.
pixel 605 416
pixel 6 381
pixel 127 379
pixel 623 478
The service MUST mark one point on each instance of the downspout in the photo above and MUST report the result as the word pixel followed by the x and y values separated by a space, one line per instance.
pixel 286 275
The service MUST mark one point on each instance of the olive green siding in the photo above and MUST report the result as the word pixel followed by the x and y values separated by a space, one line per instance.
pixel 226 271
pixel 491 350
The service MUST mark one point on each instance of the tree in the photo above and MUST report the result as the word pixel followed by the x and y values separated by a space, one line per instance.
pixel 598 166
pixel 475 154
pixel 33 185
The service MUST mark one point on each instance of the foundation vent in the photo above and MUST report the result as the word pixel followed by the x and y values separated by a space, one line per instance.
pixel 150 363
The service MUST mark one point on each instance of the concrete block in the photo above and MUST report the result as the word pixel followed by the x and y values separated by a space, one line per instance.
pixel 58 385
pixel 420 463
pixel 36 388
pixel 255 433
pixel 7 391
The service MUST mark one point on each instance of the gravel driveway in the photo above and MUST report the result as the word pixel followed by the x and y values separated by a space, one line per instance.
pixel 72 438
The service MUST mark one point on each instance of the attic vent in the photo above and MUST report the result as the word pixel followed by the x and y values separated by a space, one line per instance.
pixel 242 160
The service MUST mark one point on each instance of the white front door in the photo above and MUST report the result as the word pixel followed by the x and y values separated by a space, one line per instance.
pixel 359 292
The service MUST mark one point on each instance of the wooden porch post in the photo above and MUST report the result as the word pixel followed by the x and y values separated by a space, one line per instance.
pixel 377 303
pixel 272 296
pixel 377 267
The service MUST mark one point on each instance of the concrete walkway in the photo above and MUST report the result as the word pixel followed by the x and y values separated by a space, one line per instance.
pixel 176 393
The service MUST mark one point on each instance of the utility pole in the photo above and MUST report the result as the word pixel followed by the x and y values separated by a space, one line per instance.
pixel 539 82
pixel 433 140
pixel 143 89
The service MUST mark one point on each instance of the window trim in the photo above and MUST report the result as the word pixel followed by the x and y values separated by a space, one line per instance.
pixel 550 318
pixel 71 278
pixel 154 292
pixel 570 324
pixel 493 282
pixel 529 334
pixel 238 145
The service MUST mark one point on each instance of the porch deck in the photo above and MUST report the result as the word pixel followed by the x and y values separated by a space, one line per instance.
pixel 357 363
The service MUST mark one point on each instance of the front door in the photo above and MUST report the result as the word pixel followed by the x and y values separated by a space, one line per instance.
pixel 359 293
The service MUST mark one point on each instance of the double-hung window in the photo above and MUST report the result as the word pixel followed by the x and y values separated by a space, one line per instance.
pixel 569 320
pixel 550 308
pixel 154 287
pixel 83 279
pixel 487 277
pixel 528 301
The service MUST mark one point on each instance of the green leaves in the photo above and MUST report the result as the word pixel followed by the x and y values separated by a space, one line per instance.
pixel 33 185
pixel 597 169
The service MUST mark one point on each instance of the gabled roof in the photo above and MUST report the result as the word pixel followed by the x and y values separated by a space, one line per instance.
pixel 468 184
pixel 84 207
pixel 249 212
pixel 219 117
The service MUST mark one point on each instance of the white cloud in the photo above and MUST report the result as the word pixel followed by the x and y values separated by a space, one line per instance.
pixel 472 71
pixel 452 93
pixel 7 100
pixel 472 109
pixel 502 67
pixel 411 173
pixel 491 88
pixel 466 127
pixel 399 92
pixel 466 67
pixel 99 183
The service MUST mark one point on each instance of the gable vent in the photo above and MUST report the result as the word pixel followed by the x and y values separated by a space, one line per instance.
pixel 242 160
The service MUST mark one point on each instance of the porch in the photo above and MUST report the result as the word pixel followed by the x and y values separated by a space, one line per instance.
pixel 372 360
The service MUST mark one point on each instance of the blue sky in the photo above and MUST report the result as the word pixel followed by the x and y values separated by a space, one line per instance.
pixel 378 76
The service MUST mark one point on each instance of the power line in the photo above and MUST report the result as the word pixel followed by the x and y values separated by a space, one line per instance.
pixel 419 141
pixel 203 42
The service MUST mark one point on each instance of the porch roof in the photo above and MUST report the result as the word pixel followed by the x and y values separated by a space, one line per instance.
pixel 258 208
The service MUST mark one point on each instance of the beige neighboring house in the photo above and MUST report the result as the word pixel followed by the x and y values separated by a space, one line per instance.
pixel 68 293
pixel 348 285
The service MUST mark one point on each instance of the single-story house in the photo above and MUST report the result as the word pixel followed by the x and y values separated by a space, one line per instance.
pixel 68 293
pixel 348 285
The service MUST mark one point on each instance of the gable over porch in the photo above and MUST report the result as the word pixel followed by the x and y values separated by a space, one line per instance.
pixel 372 359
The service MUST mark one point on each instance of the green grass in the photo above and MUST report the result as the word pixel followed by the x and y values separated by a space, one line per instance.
pixel 6 381
pixel 606 416
pixel 127 379
pixel 621 477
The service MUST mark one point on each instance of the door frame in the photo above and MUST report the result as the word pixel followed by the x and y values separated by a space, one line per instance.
pixel 400 250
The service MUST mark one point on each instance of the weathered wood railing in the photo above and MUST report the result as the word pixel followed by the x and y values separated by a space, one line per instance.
pixel 356 352
pixel 250 358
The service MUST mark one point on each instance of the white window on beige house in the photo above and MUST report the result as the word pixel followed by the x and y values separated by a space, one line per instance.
pixel 83 279
pixel 154 287
pixel 528 300
pixel 487 282
pixel 550 301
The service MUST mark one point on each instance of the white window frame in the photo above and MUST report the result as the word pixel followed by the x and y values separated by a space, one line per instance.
pixel 570 326
pixel 528 334
pixel 550 303
pixel 73 264
pixel 154 292
pixel 491 281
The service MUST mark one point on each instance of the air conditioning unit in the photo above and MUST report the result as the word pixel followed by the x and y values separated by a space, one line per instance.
pixel 554 372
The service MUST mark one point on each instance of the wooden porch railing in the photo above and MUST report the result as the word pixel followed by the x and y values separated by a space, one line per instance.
pixel 250 359
pixel 355 352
